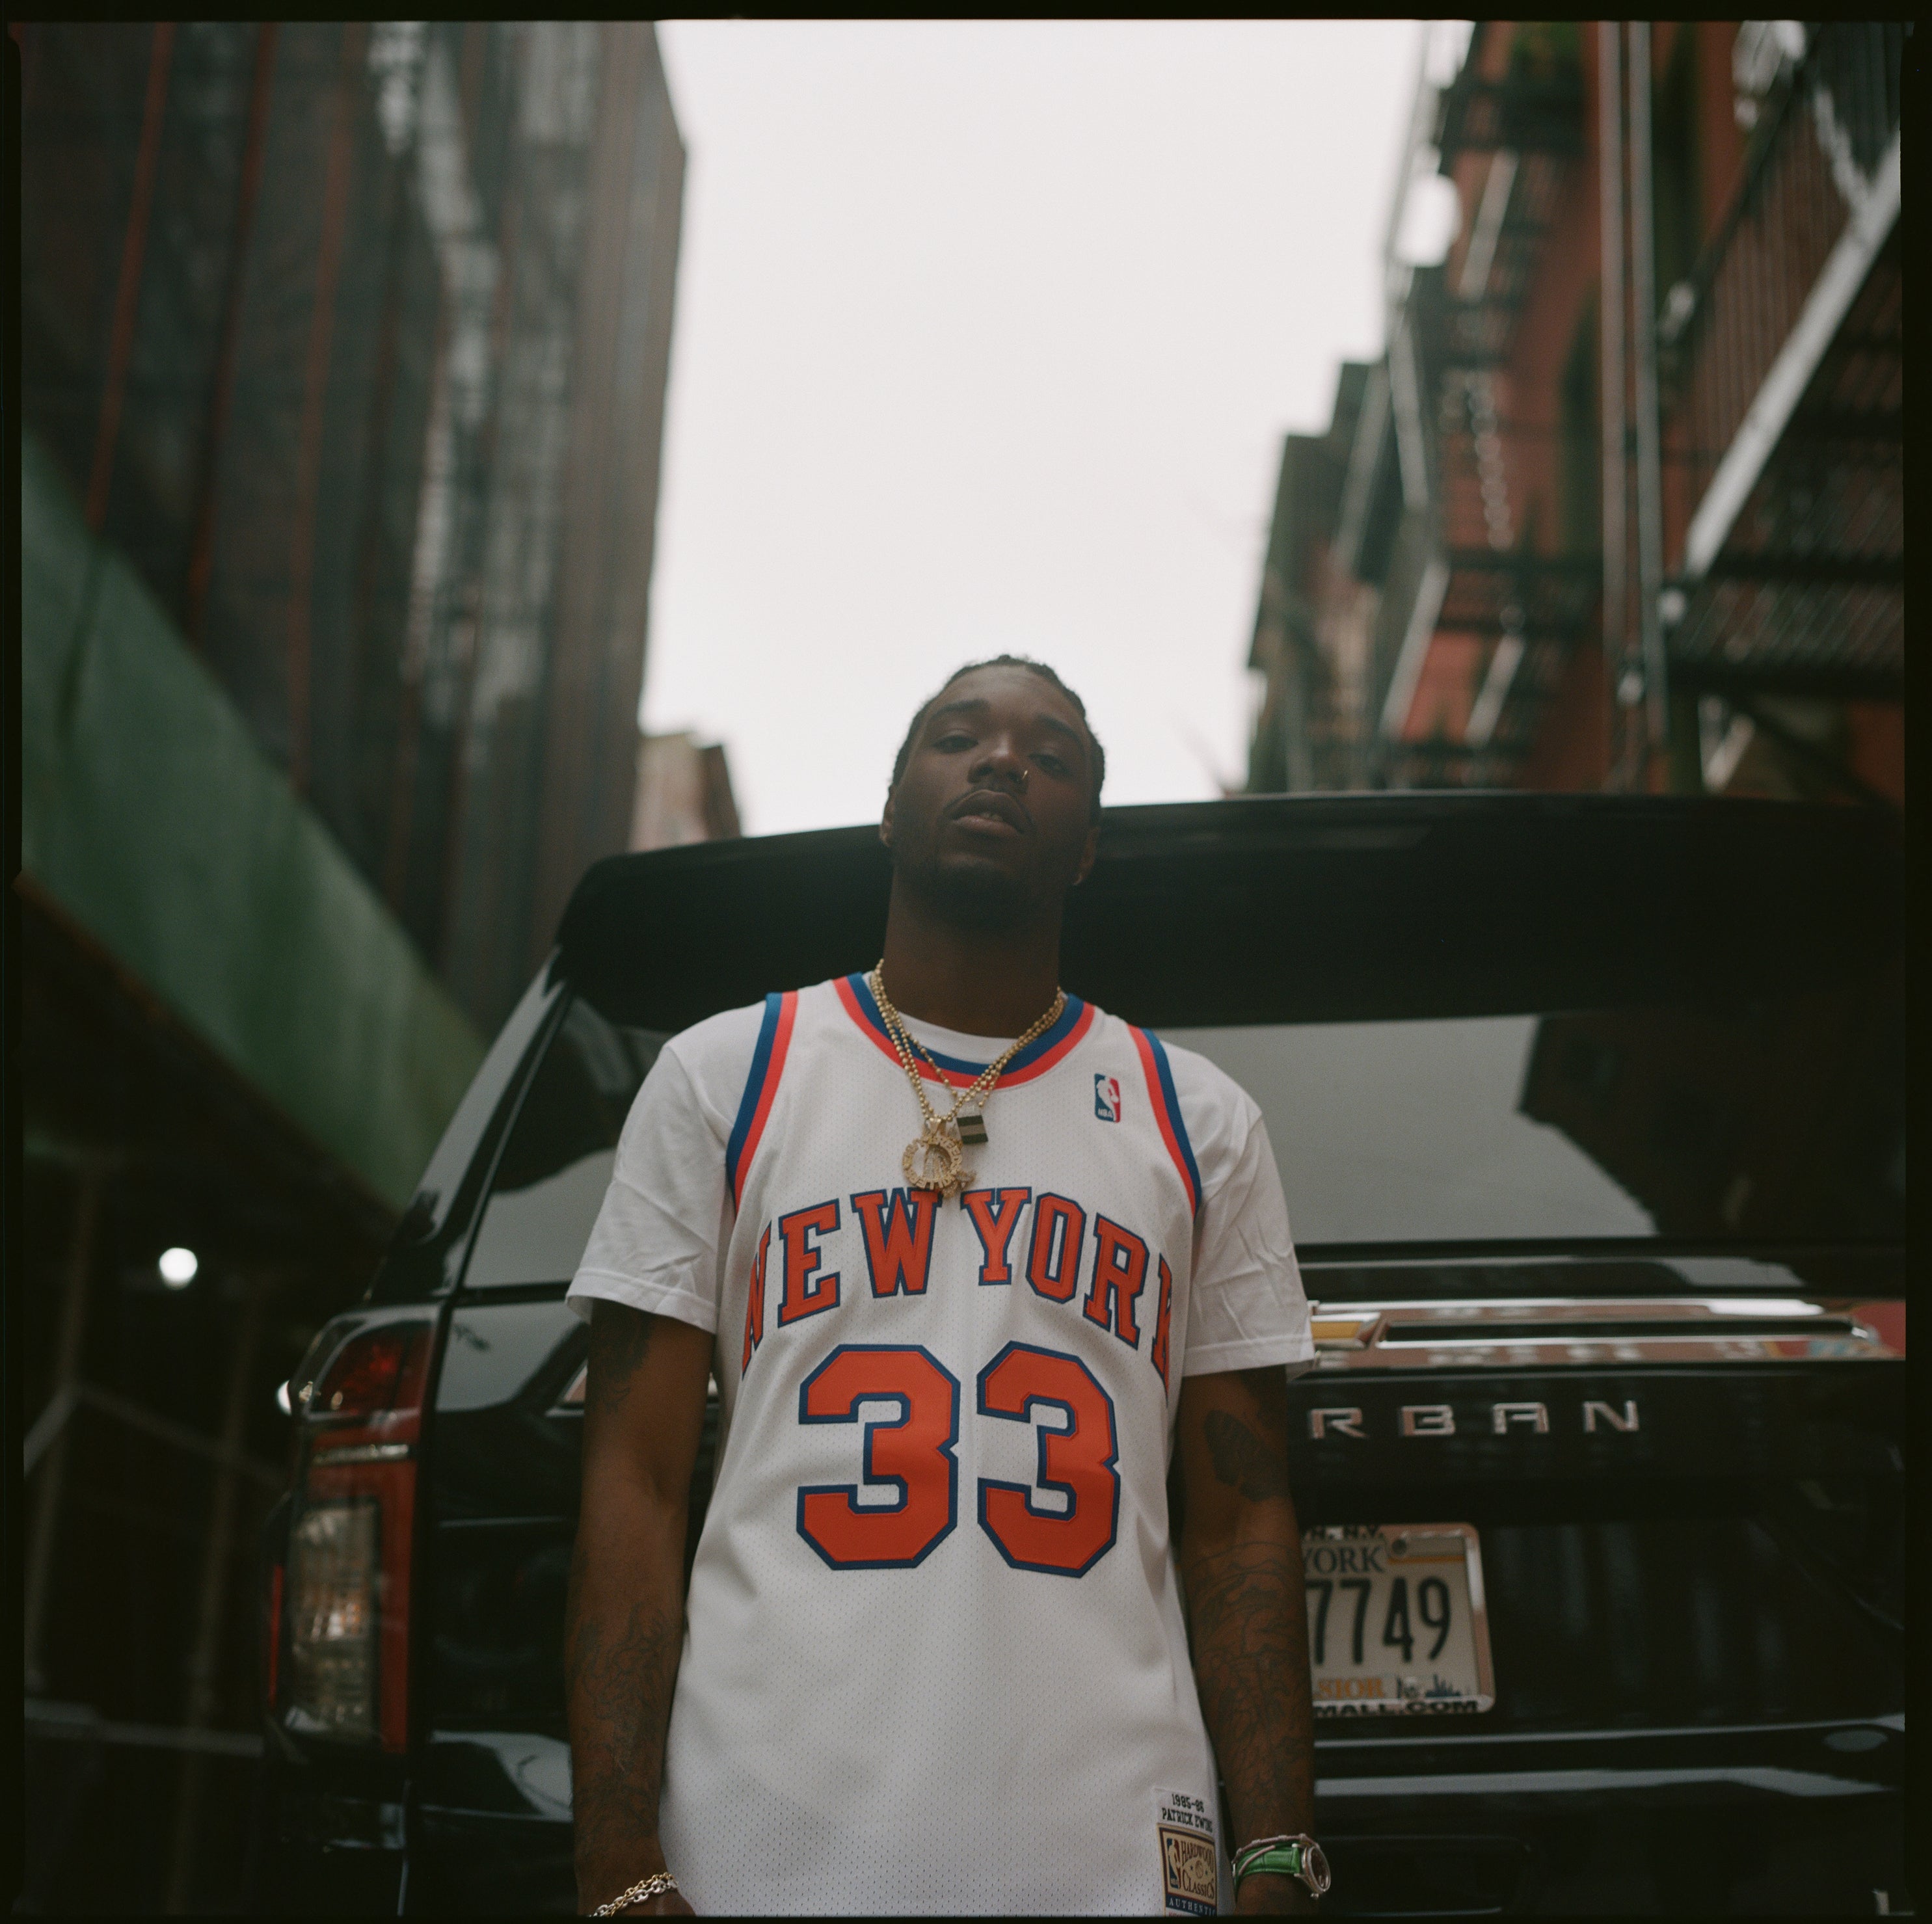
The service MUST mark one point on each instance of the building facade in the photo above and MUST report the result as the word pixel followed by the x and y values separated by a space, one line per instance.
pixel 353 338
pixel 343 353
pixel 1621 504
pixel 684 793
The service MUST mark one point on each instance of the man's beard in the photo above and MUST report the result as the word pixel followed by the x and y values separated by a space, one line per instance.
pixel 980 897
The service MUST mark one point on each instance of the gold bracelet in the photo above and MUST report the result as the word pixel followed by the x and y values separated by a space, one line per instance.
pixel 656 1885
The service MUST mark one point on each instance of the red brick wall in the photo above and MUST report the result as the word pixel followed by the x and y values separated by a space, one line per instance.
pixel 1573 747
pixel 1877 746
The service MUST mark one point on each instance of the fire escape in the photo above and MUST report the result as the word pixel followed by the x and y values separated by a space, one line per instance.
pixel 1471 569
pixel 1783 379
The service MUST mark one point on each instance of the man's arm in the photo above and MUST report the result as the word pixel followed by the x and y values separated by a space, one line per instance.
pixel 643 1413
pixel 1241 1559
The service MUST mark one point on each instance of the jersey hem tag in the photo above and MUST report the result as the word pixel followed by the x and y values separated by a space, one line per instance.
pixel 1189 1864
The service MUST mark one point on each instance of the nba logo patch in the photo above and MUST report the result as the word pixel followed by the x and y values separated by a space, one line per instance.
pixel 1190 1863
pixel 1107 1098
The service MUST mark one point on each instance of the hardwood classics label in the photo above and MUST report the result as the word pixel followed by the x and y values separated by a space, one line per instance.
pixel 1189 1868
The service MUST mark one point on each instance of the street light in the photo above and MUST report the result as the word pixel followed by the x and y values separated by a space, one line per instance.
pixel 177 1267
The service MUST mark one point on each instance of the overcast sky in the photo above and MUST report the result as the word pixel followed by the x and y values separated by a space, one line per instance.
pixel 986 337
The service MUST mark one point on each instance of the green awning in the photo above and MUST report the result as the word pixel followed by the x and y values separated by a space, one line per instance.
pixel 151 817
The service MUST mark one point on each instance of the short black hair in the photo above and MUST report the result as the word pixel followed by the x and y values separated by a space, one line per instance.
pixel 1098 756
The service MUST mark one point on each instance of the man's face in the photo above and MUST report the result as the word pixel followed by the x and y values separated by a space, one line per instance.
pixel 994 814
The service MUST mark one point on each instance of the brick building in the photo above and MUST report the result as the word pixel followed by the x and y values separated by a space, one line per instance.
pixel 343 351
pixel 684 793
pixel 1621 504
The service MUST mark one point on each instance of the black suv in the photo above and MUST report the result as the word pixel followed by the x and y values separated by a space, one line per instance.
pixel 1590 1115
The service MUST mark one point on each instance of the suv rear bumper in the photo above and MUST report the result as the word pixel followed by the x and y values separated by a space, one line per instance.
pixel 1789 1819
pixel 1710 1851
pixel 1722 1823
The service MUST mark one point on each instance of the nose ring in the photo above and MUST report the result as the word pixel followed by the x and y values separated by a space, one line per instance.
pixel 1023 774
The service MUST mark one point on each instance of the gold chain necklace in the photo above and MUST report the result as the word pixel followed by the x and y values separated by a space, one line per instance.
pixel 936 1159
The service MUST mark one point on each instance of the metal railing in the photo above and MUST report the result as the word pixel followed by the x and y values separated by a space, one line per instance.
pixel 1783 395
pixel 81 1723
pixel 1494 569
pixel 1815 154
pixel 1415 563
pixel 70 1397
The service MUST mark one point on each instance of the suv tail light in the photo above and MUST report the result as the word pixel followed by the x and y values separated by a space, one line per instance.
pixel 333 1611
pixel 351 1540
pixel 377 1376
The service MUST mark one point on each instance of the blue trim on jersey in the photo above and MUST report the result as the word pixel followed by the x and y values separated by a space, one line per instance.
pixel 1174 1116
pixel 754 1083
pixel 861 990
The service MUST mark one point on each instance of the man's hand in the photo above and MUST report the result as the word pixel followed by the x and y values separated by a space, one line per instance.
pixel 643 1412
pixel 1240 1553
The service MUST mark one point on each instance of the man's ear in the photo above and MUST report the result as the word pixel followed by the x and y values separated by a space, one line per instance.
pixel 1087 855
pixel 886 821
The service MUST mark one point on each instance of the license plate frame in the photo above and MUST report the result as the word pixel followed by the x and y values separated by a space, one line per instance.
pixel 1342 1556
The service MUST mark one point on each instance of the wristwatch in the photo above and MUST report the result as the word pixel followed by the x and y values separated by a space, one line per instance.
pixel 1298 1856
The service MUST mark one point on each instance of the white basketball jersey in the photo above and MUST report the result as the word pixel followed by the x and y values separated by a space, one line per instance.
pixel 934 1658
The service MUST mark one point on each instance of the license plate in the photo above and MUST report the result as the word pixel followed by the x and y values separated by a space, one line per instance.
pixel 1396 1621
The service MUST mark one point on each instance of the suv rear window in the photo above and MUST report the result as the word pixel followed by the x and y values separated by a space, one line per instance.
pixel 557 1164
pixel 1775 1119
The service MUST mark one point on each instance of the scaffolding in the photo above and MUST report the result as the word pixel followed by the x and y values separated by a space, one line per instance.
pixel 353 338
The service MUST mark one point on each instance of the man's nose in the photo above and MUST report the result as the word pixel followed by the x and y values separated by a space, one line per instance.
pixel 1000 760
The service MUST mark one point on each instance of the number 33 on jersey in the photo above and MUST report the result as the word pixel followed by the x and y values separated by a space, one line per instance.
pixel 910 1457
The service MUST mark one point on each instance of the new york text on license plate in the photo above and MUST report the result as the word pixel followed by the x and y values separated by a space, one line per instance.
pixel 1396 1619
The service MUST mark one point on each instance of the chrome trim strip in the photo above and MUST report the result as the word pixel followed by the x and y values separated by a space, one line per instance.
pixel 1612 1309
pixel 1412 1333
pixel 388 1452
pixel 1516 1783
pixel 1891 1720
pixel 571 1403
pixel 1603 1355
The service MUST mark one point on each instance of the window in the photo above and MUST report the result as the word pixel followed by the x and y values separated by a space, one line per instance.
pixel 557 1164
pixel 1777 1119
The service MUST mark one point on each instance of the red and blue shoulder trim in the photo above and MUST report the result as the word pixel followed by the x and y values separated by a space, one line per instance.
pixel 1166 1107
pixel 754 1110
pixel 1038 1056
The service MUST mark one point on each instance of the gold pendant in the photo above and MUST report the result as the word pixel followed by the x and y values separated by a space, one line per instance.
pixel 936 1161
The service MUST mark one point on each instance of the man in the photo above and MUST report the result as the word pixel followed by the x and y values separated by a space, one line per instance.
pixel 968 1259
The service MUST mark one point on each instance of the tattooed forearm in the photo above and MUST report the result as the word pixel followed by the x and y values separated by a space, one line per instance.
pixel 1240 1564
pixel 624 1622
pixel 1251 1664
pixel 620 1337
pixel 1242 1461
pixel 620 1667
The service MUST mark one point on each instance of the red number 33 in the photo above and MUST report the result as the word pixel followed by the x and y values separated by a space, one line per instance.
pixel 910 1456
